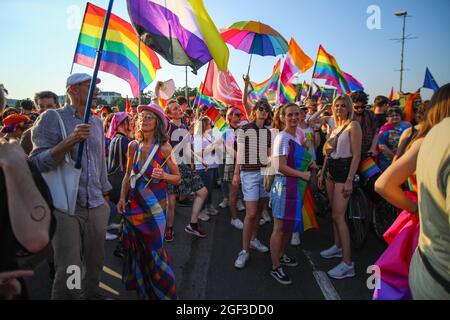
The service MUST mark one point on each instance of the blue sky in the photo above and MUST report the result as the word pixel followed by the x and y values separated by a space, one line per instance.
pixel 39 39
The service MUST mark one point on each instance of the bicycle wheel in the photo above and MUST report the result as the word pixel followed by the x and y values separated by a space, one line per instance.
pixel 357 218
pixel 384 216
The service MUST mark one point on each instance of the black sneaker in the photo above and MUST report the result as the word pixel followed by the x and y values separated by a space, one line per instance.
pixel 195 231
pixel 280 276
pixel 287 261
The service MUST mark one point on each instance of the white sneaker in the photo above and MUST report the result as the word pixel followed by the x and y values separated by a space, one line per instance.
pixel 224 203
pixel 295 240
pixel 113 226
pixel 257 245
pixel 237 223
pixel 204 216
pixel 242 259
pixel 332 252
pixel 212 211
pixel 240 205
pixel 265 218
pixel 111 236
pixel 342 270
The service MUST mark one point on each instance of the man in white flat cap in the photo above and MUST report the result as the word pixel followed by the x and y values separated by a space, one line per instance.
pixel 79 239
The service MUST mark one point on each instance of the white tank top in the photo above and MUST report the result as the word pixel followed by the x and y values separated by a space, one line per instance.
pixel 343 149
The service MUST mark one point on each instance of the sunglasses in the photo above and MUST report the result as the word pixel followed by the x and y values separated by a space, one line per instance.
pixel 264 109
pixel 238 114
pixel 147 117
pixel 359 108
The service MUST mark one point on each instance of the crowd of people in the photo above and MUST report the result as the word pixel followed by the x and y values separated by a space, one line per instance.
pixel 137 166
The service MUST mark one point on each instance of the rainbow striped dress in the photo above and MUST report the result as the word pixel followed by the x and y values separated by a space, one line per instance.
pixel 291 197
pixel 146 262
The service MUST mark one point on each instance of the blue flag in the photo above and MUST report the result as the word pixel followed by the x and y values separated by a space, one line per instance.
pixel 429 81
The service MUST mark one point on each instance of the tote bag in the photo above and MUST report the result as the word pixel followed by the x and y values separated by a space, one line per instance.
pixel 63 181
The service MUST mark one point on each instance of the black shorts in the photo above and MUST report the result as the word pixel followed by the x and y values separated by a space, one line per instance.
pixel 338 169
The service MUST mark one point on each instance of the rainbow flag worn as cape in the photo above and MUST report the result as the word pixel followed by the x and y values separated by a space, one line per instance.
pixel 120 52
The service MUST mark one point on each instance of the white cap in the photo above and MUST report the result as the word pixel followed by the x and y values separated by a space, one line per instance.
pixel 79 78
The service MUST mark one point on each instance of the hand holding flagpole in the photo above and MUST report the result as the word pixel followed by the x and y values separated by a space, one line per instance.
pixel 87 111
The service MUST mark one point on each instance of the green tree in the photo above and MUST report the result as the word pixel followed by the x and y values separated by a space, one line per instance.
pixel 118 102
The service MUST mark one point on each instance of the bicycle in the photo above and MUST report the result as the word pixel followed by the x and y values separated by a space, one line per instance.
pixel 357 215
pixel 383 214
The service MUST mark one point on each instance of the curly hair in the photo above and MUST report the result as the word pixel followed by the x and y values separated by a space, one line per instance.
pixel 359 96
pixel 265 104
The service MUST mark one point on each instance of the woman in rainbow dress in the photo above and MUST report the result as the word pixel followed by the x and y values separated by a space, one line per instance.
pixel 292 204
pixel 150 168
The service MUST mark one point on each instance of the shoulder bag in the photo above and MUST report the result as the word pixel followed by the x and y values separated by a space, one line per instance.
pixel 63 182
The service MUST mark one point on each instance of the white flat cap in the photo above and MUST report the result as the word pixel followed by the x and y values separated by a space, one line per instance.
pixel 78 78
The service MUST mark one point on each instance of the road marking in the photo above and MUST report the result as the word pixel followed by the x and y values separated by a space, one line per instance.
pixel 108 288
pixel 111 272
pixel 325 285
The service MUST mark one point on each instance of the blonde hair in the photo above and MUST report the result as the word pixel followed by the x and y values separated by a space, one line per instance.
pixel 348 106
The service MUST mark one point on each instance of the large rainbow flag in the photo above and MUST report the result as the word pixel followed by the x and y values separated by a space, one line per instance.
pixel 207 100
pixel 120 52
pixel 267 88
pixel 181 31
pixel 327 68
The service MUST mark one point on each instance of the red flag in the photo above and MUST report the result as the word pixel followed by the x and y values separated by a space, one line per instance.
pixel 127 105
pixel 391 94
pixel 223 87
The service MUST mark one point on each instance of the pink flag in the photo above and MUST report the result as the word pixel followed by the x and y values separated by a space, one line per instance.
pixel 223 87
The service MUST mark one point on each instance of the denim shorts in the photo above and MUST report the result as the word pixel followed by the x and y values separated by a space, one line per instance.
pixel 253 185
pixel 338 169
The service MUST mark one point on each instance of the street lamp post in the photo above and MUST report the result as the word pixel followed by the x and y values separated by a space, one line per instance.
pixel 402 14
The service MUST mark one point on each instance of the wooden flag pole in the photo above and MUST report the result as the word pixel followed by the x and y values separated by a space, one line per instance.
pixel 87 111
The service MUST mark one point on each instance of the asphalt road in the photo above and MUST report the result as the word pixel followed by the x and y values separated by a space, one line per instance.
pixel 204 268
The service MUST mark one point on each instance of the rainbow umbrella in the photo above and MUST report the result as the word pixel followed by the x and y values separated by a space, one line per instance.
pixel 255 38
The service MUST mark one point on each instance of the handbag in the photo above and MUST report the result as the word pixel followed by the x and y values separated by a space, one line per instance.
pixel 116 177
pixel 63 182
pixel 330 145
pixel 269 176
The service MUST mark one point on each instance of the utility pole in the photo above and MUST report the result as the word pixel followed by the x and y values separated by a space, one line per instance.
pixel 404 37
pixel 186 93
pixel 402 14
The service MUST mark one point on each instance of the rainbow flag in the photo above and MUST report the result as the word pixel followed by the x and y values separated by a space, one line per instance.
pixel 368 168
pixel 207 100
pixel 181 31
pixel 287 93
pixel 120 52
pixel 354 84
pixel 219 121
pixel 266 88
pixel 327 68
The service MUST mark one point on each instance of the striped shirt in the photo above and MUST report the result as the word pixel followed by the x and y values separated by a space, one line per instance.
pixel 254 144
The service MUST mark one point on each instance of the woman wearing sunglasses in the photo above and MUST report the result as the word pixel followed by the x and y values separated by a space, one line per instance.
pixel 254 143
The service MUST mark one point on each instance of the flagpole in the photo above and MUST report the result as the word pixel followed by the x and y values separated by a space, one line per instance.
pixel 87 111
pixel 139 68
pixel 203 87
pixel 312 76
pixel 279 81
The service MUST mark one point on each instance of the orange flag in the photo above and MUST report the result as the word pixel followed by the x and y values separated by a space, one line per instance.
pixel 298 57
pixel 391 94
